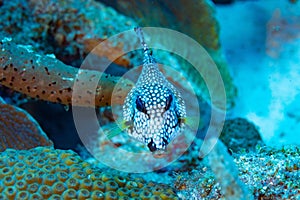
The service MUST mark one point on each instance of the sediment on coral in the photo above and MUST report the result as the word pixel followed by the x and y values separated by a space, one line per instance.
pixel 46 173
pixel 271 173
pixel 264 173
pixel 19 130
pixel 44 77
pixel 227 174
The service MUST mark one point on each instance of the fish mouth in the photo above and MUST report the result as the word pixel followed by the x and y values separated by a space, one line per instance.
pixel 160 153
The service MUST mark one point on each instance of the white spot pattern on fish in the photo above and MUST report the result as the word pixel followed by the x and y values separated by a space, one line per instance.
pixel 154 110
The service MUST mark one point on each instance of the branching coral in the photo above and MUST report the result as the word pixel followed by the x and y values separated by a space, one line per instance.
pixel 46 78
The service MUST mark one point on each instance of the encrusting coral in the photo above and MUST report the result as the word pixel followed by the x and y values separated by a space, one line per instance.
pixel 69 28
pixel 265 173
pixel 227 173
pixel 45 173
pixel 271 173
pixel 17 126
pixel 46 78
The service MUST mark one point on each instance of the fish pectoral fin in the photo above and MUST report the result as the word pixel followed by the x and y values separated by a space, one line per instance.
pixel 192 122
pixel 116 128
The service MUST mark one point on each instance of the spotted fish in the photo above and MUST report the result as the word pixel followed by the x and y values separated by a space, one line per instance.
pixel 154 110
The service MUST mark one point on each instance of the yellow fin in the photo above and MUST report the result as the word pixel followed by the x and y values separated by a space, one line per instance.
pixel 193 122
pixel 115 129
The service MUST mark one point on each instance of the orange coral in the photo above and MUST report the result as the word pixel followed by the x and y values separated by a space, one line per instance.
pixel 109 51
pixel 281 30
pixel 195 18
pixel 48 79
pixel 57 179
pixel 17 126
pixel 79 26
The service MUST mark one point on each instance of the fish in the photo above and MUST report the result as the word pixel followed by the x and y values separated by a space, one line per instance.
pixel 154 111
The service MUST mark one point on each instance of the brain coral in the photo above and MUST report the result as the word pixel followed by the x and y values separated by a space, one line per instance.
pixel 45 173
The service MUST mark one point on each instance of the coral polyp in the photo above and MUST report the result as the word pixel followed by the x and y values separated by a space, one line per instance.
pixel 85 182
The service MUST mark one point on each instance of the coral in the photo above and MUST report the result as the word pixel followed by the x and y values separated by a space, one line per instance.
pixel 19 130
pixel 239 133
pixel 226 173
pixel 197 184
pixel 122 147
pixel 268 173
pixel 197 20
pixel 12 97
pixel 109 51
pixel 45 173
pixel 271 173
pixel 215 177
pixel 46 78
pixel 281 29
pixel 68 28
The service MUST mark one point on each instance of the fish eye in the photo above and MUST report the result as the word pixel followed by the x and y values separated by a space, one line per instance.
pixel 151 145
pixel 140 105
pixel 168 102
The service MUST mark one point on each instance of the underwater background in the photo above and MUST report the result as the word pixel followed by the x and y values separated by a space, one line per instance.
pixel 50 46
